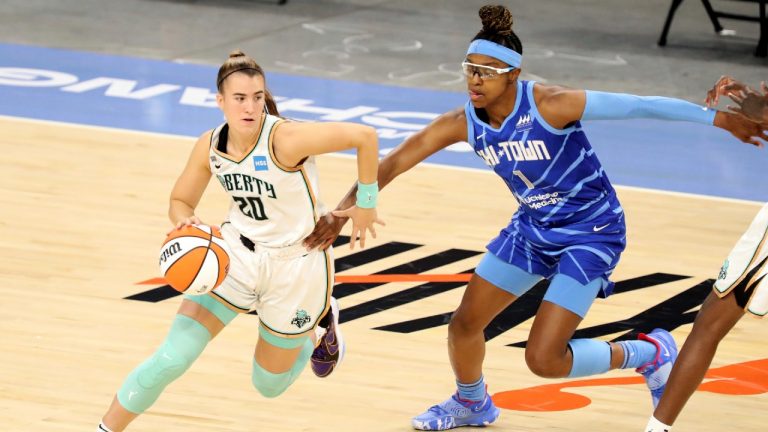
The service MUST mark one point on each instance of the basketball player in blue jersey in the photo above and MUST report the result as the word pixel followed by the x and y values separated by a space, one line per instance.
pixel 569 227
pixel 740 287
pixel 266 165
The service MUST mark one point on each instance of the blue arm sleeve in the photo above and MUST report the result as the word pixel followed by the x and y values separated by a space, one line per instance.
pixel 615 106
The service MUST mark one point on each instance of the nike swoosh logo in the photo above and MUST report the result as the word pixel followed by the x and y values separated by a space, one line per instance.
pixel 217 166
pixel 597 228
pixel 481 136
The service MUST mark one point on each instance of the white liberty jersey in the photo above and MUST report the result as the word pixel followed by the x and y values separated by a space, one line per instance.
pixel 272 205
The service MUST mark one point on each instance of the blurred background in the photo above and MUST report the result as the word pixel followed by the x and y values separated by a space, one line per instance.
pixel 601 44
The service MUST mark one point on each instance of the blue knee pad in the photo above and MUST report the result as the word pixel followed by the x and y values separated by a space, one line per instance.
pixel 590 357
pixel 274 384
pixel 183 345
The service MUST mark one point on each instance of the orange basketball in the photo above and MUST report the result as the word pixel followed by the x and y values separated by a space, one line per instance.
pixel 194 259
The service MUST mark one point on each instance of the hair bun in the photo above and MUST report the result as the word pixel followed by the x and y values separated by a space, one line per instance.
pixel 236 53
pixel 496 19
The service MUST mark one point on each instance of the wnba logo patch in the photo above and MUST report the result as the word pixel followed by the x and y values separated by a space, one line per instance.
pixel 260 163
pixel 723 270
pixel 301 318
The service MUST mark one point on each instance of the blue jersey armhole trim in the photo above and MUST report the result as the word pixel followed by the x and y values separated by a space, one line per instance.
pixel 468 111
pixel 542 122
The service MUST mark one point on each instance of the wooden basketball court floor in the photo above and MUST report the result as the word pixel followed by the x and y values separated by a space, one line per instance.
pixel 84 213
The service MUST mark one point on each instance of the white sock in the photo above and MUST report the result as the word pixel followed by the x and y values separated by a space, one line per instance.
pixel 657 426
pixel 103 428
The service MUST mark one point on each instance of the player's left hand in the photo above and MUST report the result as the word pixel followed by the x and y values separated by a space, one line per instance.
pixel 362 221
pixel 745 130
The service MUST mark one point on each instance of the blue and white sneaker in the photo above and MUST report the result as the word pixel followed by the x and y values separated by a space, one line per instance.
pixel 656 372
pixel 456 412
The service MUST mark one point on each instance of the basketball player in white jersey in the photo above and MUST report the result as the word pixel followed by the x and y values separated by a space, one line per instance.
pixel 266 165
pixel 740 288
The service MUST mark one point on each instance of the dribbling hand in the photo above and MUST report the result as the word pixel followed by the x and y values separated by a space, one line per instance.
pixel 191 220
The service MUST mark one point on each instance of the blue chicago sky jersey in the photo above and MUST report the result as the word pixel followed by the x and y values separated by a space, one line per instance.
pixel 553 173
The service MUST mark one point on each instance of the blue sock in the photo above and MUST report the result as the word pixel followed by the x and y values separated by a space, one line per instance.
pixel 474 391
pixel 637 353
pixel 590 357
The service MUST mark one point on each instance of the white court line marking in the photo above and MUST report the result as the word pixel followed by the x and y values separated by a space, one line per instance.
pixel 476 170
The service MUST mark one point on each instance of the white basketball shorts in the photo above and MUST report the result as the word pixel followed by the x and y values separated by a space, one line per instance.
pixel 744 272
pixel 288 287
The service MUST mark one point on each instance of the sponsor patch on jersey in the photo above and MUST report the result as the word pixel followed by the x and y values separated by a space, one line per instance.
pixel 260 163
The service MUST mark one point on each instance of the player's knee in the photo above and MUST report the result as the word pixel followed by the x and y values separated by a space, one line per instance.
pixel 270 389
pixel 165 365
pixel 544 364
pixel 270 385
pixel 143 386
pixel 462 324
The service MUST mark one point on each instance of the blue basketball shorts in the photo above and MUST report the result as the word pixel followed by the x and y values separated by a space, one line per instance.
pixel 586 253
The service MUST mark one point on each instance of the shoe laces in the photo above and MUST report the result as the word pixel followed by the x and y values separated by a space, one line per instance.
pixel 465 403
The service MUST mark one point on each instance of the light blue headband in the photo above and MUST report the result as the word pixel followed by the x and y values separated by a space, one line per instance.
pixel 486 47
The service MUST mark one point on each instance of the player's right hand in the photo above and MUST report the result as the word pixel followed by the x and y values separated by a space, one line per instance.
pixel 191 220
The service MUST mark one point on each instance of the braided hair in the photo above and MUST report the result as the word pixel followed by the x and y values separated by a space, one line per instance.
pixel 497 27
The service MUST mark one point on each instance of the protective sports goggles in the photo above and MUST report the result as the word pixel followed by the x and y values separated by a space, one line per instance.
pixel 484 72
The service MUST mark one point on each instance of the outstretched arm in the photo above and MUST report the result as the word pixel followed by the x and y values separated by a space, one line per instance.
pixel 295 141
pixel 561 106
pixel 445 130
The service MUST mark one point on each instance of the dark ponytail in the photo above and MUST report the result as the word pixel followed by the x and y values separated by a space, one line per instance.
pixel 239 62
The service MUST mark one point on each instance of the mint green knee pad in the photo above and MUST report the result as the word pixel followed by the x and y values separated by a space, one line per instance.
pixel 273 385
pixel 223 313
pixel 184 343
